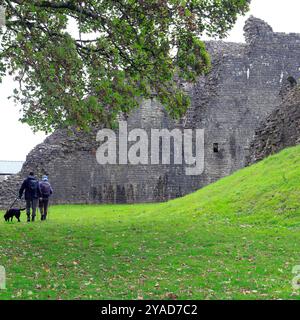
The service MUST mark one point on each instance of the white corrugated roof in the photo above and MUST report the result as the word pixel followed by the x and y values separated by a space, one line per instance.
pixel 10 167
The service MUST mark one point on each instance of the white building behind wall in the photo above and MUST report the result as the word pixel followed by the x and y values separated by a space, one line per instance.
pixel 8 168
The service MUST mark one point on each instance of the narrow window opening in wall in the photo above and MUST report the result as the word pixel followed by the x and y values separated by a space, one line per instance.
pixel 292 82
pixel 216 147
pixel 288 84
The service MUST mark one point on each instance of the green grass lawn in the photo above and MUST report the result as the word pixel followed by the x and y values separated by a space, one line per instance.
pixel 236 239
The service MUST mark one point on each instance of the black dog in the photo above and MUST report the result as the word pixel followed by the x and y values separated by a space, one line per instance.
pixel 13 213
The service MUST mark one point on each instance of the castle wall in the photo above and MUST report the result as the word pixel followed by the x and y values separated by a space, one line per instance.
pixel 280 130
pixel 246 83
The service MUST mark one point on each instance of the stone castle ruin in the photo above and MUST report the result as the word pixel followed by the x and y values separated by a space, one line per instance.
pixel 280 130
pixel 247 83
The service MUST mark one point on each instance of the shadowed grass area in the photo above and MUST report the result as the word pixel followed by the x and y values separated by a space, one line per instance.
pixel 236 239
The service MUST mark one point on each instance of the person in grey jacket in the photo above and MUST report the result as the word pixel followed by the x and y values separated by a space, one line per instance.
pixel 46 192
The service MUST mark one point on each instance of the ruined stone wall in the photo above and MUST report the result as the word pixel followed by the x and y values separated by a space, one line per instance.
pixel 280 130
pixel 246 83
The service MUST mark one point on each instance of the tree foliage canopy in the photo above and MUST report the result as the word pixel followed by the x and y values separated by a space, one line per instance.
pixel 120 52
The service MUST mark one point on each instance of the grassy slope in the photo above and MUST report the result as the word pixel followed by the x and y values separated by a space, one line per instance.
pixel 238 238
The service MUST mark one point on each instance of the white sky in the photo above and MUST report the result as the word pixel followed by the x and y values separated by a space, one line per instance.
pixel 16 139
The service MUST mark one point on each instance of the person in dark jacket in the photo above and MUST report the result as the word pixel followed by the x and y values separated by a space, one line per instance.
pixel 46 192
pixel 32 194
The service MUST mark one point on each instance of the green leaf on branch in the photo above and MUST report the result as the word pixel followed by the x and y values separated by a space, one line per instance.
pixel 122 52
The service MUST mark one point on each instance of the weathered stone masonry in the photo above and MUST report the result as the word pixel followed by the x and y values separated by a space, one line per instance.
pixel 280 130
pixel 246 84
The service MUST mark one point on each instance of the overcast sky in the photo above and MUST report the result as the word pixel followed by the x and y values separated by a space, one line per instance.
pixel 17 139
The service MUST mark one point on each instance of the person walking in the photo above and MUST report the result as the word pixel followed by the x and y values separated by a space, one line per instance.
pixel 32 194
pixel 46 192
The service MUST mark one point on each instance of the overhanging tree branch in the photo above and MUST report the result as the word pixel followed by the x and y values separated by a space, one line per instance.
pixel 130 56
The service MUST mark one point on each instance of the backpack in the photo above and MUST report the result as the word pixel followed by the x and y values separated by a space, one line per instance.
pixel 33 186
pixel 45 188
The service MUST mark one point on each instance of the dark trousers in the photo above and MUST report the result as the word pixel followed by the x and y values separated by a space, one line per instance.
pixel 31 204
pixel 43 205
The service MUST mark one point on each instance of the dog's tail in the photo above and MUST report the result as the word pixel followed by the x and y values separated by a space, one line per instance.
pixel 23 209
